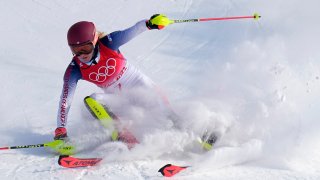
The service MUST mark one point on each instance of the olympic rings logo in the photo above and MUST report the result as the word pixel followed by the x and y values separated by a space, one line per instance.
pixel 104 71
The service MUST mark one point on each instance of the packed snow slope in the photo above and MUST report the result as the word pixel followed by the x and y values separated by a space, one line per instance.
pixel 256 83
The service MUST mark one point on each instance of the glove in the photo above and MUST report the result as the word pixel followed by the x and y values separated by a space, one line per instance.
pixel 208 140
pixel 60 133
pixel 158 21
pixel 63 147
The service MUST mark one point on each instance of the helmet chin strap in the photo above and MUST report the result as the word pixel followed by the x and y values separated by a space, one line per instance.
pixel 95 54
pixel 96 48
pixel 96 37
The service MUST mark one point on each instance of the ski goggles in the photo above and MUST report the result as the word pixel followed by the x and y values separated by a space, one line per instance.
pixel 83 49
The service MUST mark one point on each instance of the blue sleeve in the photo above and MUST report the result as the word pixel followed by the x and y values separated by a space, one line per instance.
pixel 70 80
pixel 116 39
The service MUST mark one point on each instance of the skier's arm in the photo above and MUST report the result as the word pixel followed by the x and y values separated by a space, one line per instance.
pixel 71 77
pixel 116 39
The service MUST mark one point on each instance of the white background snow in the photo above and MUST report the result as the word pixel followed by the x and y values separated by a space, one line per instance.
pixel 255 82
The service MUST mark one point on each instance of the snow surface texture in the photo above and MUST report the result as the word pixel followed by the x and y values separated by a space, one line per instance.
pixel 256 83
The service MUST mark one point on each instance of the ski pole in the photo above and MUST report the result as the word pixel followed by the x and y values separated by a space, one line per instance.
pixel 57 145
pixel 49 144
pixel 255 16
pixel 22 147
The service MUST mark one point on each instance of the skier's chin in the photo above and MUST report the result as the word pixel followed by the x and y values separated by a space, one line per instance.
pixel 85 58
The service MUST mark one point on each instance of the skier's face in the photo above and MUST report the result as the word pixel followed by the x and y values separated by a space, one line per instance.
pixel 85 57
pixel 84 52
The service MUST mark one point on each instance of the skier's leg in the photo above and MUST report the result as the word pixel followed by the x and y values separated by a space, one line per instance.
pixel 133 78
pixel 101 113
pixel 109 121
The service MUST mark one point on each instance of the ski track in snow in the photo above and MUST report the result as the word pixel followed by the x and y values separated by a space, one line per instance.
pixel 255 83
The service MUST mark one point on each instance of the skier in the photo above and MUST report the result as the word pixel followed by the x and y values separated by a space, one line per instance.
pixel 97 59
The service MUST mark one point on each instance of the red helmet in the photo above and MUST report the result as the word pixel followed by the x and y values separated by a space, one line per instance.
pixel 81 33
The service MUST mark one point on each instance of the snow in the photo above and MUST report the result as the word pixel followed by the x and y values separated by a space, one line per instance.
pixel 255 82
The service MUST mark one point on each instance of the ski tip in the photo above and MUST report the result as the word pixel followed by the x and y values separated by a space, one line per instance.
pixel 170 170
pixel 61 157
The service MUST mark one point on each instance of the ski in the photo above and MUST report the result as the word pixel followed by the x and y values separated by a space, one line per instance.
pixel 170 170
pixel 73 162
